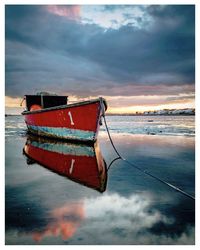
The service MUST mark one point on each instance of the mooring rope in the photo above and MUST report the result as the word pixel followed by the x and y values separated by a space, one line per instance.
pixel 138 168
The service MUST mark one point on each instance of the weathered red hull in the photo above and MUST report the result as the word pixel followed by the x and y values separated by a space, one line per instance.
pixel 81 163
pixel 79 121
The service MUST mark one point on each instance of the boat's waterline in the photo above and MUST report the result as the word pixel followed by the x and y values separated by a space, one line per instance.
pixel 64 148
pixel 63 133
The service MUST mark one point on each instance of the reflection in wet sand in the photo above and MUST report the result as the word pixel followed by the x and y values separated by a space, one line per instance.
pixel 65 222
pixel 137 220
pixel 79 162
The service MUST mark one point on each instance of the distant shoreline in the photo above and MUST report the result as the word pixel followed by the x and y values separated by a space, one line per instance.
pixel 150 114
pixel 6 115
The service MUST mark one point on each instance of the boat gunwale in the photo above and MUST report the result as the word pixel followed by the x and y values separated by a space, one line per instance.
pixel 25 112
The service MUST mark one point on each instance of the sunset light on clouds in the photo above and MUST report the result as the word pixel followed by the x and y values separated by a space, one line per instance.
pixel 70 12
pixel 136 56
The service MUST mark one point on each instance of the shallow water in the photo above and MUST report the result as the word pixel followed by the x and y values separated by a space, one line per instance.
pixel 45 206
pixel 159 125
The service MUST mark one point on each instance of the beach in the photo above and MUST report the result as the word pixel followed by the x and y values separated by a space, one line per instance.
pixel 44 207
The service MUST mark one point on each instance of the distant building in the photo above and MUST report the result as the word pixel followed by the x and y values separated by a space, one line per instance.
pixel 171 112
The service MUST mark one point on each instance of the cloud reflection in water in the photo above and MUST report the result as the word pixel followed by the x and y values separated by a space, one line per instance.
pixel 131 220
pixel 65 221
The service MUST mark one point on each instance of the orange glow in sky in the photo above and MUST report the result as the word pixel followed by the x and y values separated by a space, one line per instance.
pixel 125 105
pixel 71 12
pixel 134 109
pixel 13 102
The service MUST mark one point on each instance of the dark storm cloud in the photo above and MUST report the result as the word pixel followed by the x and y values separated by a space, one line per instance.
pixel 44 50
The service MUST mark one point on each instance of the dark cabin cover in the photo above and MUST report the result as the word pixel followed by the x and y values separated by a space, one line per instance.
pixel 45 101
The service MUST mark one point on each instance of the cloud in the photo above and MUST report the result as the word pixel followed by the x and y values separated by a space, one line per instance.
pixel 133 220
pixel 36 70
pixel 45 49
pixel 128 101
pixel 65 222
pixel 181 98
pixel 113 219
pixel 70 11
pixel 115 16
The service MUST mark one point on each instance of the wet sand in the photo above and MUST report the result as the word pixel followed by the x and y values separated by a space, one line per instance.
pixel 43 207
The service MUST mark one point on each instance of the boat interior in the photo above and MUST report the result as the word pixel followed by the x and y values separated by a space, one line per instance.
pixel 36 102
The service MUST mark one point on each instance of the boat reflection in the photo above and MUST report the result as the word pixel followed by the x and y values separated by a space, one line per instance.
pixel 81 163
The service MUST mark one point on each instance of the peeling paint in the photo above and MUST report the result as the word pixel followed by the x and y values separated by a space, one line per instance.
pixel 63 133
pixel 65 148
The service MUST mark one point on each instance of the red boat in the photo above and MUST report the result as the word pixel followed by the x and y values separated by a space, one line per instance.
pixel 51 116
pixel 81 163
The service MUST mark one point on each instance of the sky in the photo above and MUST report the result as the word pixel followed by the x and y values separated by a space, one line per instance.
pixel 139 57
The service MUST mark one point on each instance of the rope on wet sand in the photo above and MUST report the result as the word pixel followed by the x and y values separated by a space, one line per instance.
pixel 138 168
